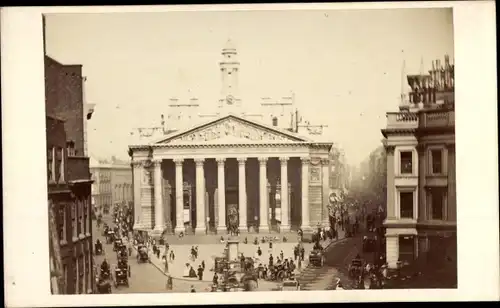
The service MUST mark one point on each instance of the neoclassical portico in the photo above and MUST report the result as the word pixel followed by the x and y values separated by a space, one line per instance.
pixel 274 180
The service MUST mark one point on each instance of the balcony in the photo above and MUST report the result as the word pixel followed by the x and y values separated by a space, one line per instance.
pixel 78 168
pixel 437 119
pixel 402 120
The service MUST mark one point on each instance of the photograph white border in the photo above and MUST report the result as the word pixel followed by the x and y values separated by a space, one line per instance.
pixel 26 266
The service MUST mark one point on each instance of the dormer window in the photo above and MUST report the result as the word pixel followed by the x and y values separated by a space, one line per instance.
pixel 70 148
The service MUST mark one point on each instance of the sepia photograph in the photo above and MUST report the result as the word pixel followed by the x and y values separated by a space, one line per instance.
pixel 312 156
pixel 200 151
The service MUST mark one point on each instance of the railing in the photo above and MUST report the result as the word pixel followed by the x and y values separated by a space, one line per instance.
pixel 434 119
pixel 78 168
pixel 402 120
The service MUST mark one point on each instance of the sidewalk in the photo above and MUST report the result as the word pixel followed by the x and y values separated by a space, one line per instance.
pixel 208 252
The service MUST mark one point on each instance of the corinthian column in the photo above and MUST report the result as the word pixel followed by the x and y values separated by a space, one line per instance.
pixel 179 197
pixel 263 210
pixel 159 218
pixel 200 197
pixel 137 180
pixel 285 209
pixel 242 195
pixel 221 190
pixel 305 194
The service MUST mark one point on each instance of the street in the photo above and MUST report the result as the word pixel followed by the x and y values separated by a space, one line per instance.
pixel 338 258
pixel 149 277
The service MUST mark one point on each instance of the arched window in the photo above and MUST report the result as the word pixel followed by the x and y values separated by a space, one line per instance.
pixel 275 121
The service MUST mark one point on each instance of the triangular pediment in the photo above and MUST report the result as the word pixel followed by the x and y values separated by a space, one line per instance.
pixel 230 130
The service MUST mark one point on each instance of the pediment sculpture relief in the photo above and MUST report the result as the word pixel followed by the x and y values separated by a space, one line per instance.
pixel 232 128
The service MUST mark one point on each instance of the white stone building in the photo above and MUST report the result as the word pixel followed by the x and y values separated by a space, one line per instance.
pixel 268 167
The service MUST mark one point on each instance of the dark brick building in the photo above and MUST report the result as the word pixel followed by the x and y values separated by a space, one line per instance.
pixel 68 175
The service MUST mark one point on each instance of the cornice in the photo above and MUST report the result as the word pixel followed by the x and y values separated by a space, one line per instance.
pixel 230 145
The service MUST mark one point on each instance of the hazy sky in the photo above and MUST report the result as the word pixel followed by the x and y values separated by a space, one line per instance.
pixel 344 66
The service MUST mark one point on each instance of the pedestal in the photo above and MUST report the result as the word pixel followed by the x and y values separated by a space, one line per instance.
pixel 233 249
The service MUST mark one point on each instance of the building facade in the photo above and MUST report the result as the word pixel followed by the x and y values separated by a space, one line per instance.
pixel 112 183
pixel 266 167
pixel 69 181
pixel 421 189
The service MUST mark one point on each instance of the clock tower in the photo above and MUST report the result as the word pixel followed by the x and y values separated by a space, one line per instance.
pixel 229 69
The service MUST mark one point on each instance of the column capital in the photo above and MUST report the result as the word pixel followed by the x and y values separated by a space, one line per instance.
pixel 156 161
pixel 241 160
pixel 220 161
pixel 450 146
pixel 305 160
pixel 199 162
pixel 389 149
pixel 325 161
pixel 137 163
pixel 262 160
pixel 284 160
pixel 178 161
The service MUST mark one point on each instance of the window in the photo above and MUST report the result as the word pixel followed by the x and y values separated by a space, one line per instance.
pixel 50 165
pixel 437 204
pixel 73 220
pixel 61 165
pixel 70 148
pixel 87 272
pixel 86 228
pixel 57 165
pixel 75 275
pixel 65 278
pixel 406 204
pixel 406 248
pixel 61 229
pixel 81 274
pixel 437 161
pixel 275 121
pixel 406 162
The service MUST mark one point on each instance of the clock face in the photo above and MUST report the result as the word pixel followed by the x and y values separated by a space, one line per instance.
pixel 230 99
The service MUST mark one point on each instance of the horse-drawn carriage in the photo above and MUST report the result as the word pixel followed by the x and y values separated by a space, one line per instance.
pixel 316 256
pixel 117 244
pixel 142 254
pixel 369 243
pixel 277 273
pixel 110 236
pixel 121 275
pixel 98 248
pixel 290 284
pixel 103 283
pixel 356 268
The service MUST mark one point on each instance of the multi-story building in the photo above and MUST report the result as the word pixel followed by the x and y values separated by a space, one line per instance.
pixel 69 181
pixel 113 182
pixel 420 148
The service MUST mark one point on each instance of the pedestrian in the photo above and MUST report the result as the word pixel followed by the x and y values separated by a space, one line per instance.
pixel 200 272
pixel 215 279
pixel 271 259
pixel 282 255
pixel 192 289
pixel 172 255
